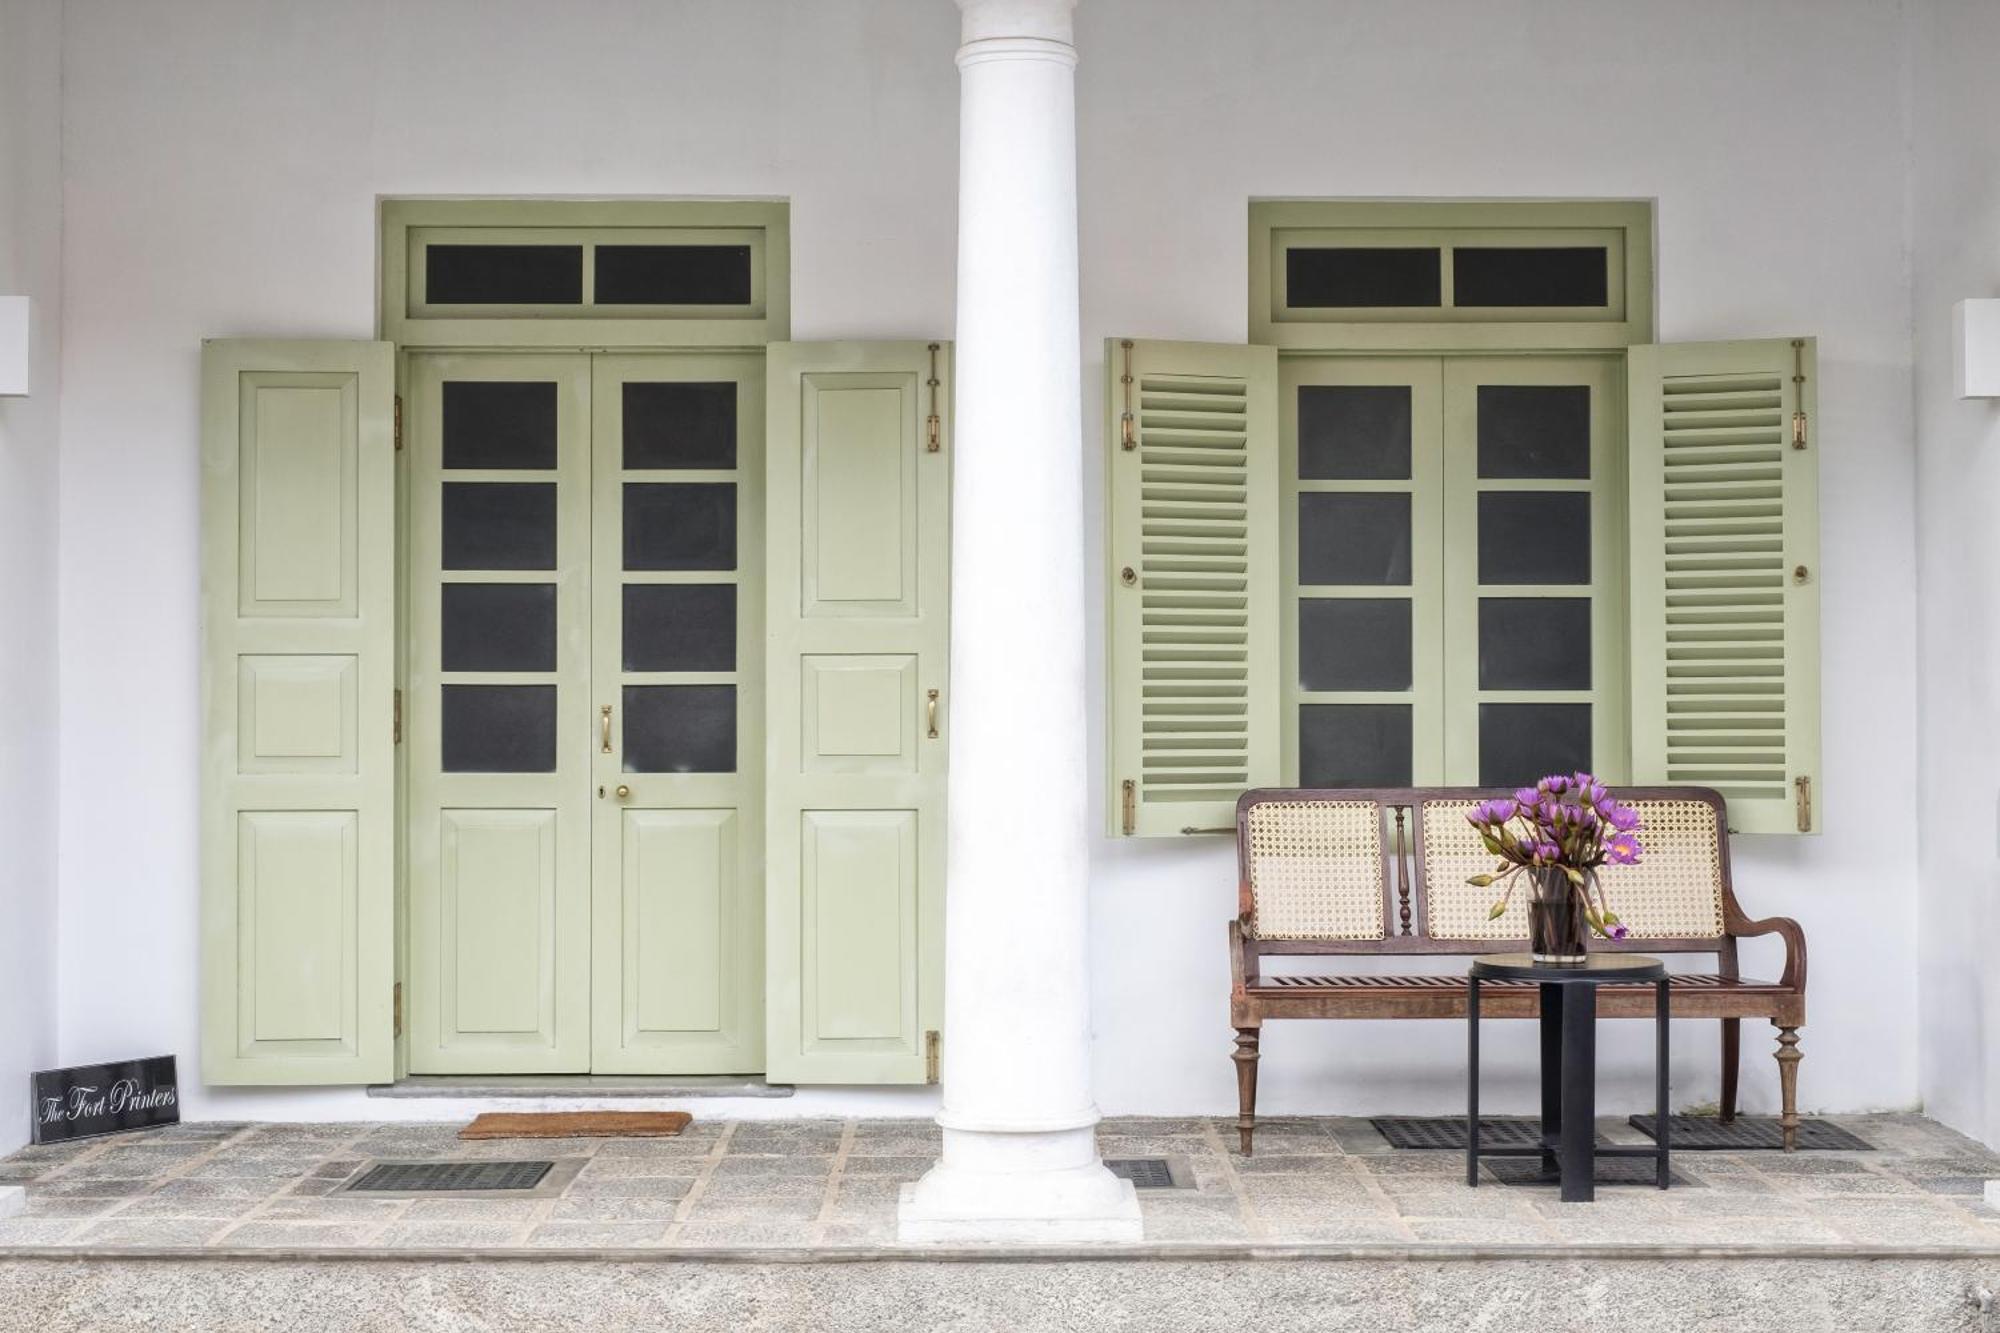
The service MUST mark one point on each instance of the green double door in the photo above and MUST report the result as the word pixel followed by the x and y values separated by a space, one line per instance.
pixel 584 713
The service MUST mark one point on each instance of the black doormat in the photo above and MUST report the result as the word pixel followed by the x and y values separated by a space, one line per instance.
pixel 1604 1171
pixel 1702 1133
pixel 449 1177
pixel 1447 1132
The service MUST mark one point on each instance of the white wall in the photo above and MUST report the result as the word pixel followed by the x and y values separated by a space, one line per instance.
pixel 1956 207
pixel 222 161
pixel 30 264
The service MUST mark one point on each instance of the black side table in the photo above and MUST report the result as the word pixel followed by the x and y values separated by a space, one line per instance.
pixel 1569 1064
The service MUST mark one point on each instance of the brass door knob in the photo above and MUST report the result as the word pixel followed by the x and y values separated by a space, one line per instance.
pixel 623 791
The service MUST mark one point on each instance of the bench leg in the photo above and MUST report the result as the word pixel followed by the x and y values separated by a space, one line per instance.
pixel 1732 1061
pixel 1246 1084
pixel 1788 1084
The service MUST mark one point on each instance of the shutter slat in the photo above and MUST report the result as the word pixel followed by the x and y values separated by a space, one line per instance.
pixel 1193 517
pixel 1724 632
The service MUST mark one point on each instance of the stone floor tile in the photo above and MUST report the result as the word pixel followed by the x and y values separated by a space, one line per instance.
pixel 1293 1164
pixel 90 1187
pixel 239 1167
pixel 859 1233
pixel 1487 1201
pixel 38 1230
pixel 761 1143
pixel 1478 1231
pixel 1183 1230
pixel 336 1208
pixel 599 1235
pixel 149 1231
pixel 259 1234
pixel 1128 1145
pixel 233 1187
pixel 449 1235
pixel 674 1150
pixel 177 1205
pixel 40 1205
pixel 868 1189
pixel 705 1234
pixel 645 1168
pixel 614 1210
pixel 733 1167
pixel 900 1168
pixel 889 1143
pixel 448 1209
pixel 1337 1231
pixel 628 1187
pixel 763 1187
pixel 748 1211
pixel 1150 1126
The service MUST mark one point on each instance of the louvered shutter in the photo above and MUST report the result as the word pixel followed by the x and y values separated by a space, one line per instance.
pixel 1724 527
pixel 1191 488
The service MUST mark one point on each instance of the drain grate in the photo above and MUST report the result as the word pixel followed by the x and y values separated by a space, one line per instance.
pixel 1701 1133
pixel 1604 1171
pixel 1448 1132
pixel 429 1177
pixel 1146 1173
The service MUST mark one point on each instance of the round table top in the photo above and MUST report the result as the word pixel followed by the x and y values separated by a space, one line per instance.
pixel 1596 968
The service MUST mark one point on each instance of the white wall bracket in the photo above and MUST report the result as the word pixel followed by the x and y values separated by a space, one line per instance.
pixel 1975 350
pixel 14 315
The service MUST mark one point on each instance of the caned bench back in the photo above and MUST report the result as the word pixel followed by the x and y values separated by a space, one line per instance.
pixel 1330 870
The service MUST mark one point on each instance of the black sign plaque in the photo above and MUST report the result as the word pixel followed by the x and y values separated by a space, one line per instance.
pixel 89 1100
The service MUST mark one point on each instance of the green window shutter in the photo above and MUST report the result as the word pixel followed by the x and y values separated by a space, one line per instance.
pixel 1724 526
pixel 858 533
pixel 298 788
pixel 1191 488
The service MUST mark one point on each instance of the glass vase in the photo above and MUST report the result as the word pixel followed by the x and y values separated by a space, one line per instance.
pixel 1558 932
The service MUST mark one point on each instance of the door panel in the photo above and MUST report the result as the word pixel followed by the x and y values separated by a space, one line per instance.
pixel 497 719
pixel 859 639
pixel 677 713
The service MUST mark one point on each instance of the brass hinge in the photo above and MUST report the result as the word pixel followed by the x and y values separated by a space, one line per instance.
pixel 396 719
pixel 399 423
pixel 1803 786
pixel 396 1009
pixel 931 1043
pixel 933 424
pixel 1799 393
pixel 1130 821
pixel 1128 434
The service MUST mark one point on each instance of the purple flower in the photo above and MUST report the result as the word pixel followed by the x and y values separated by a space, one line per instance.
pixel 1622 850
pixel 1527 796
pixel 1624 818
pixel 1619 932
pixel 1492 812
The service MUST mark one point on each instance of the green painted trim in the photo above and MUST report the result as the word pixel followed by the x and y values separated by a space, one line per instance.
pixel 764 222
pixel 1627 225
pixel 856 781
pixel 1785 477
pixel 298 786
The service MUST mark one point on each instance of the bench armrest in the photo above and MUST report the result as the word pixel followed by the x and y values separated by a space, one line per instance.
pixel 1242 964
pixel 1791 933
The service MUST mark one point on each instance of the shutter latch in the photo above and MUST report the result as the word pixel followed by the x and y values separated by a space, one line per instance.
pixel 1803 787
pixel 1799 390
pixel 933 424
pixel 931 1043
pixel 1128 435
pixel 1129 821
pixel 399 423
pixel 396 1009
pixel 396 718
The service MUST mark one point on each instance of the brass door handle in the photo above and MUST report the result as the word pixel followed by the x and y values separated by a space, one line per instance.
pixel 930 713
pixel 622 792
pixel 604 729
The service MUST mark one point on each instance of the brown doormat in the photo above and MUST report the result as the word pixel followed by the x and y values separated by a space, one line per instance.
pixel 577 1125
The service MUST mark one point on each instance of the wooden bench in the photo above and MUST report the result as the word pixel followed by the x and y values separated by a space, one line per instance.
pixel 1382 872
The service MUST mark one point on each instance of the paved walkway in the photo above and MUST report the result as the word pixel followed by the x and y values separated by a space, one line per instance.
pixel 820 1184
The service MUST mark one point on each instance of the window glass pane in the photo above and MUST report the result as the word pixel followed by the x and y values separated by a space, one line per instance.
pixel 1354 431
pixel 1534 430
pixel 680 728
pixel 1360 643
pixel 499 525
pixel 673 275
pixel 1534 643
pixel 673 526
pixel 1356 276
pixel 499 424
pixel 1528 275
pixel 503 274
pixel 499 728
pixel 498 627
pixel 1354 745
pixel 1534 537
pixel 1354 539
pixel 680 627
pixel 1520 744
pixel 680 425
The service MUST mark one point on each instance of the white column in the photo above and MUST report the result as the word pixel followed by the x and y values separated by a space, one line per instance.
pixel 1020 1151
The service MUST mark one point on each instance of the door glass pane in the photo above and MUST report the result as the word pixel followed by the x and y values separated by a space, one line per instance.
pixel 680 425
pixel 680 627
pixel 1534 643
pixel 680 728
pixel 498 627
pixel 1354 431
pixel 673 275
pixel 1534 430
pixel 503 274
pixel 499 525
pixel 1356 276
pixel 1533 537
pixel 680 525
pixel 499 728
pixel 1354 745
pixel 499 424
pixel 1360 643
pixel 1529 275
pixel 1361 538
pixel 1519 744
